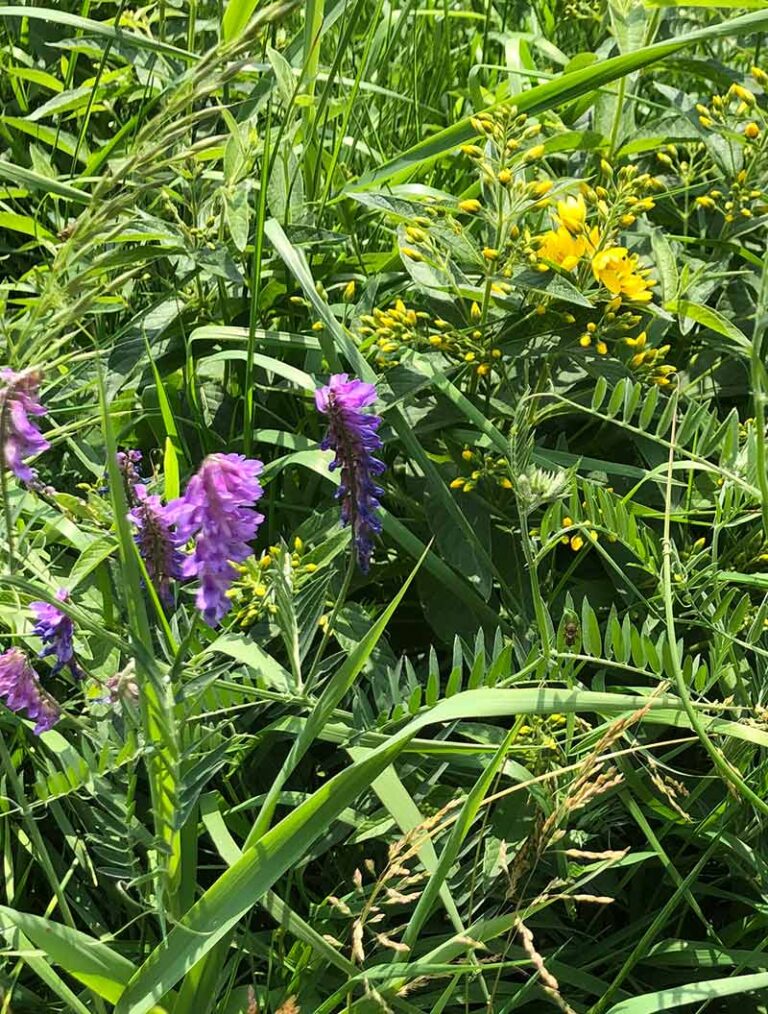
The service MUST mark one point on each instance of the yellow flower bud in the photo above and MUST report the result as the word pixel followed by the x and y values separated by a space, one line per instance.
pixel 470 206
pixel 576 543
pixel 752 131
pixel 475 312
pixel 490 254
pixel 458 483
pixel 466 454
pixel 505 177
pixel 483 370
pixel 585 341
pixel 535 153
pixel 349 291
pixel 409 252
pixel 601 348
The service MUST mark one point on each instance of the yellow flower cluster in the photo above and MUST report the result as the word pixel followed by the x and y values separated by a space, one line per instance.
pixel 253 593
pixel 577 540
pixel 737 114
pixel 619 271
pixel 574 242
pixel 650 360
pixel 737 110
pixel 483 467
pixel 739 201
pixel 399 327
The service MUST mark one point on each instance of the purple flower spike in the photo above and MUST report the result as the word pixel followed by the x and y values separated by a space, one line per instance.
pixel 19 399
pixel 158 544
pixel 56 628
pixel 21 691
pixel 127 462
pixel 216 511
pixel 352 435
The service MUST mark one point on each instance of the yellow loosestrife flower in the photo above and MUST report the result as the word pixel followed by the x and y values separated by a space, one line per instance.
pixel 572 214
pixel 620 274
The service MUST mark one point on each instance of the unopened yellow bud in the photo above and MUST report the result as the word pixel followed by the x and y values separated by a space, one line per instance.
pixel 752 131
pixel 601 348
pixel 576 543
pixel 475 312
pixel 470 206
pixel 409 252
pixel 483 370
pixel 585 341
pixel 505 177
pixel 506 484
pixel 467 455
pixel 626 220
pixel 457 483
pixel 490 254
pixel 535 153
pixel 318 325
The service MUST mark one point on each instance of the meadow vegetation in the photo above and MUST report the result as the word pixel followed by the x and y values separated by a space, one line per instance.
pixel 384 530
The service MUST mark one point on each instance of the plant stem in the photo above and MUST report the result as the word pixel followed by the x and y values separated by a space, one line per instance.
pixel 340 599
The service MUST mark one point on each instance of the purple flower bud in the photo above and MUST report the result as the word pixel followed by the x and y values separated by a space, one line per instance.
pixel 158 544
pixel 19 438
pixel 216 511
pixel 127 462
pixel 352 435
pixel 21 691
pixel 56 628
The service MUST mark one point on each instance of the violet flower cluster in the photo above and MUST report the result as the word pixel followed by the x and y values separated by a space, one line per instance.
pixel 352 435
pixel 19 437
pixel 20 691
pixel 216 511
pixel 159 545
pixel 55 629
pixel 128 462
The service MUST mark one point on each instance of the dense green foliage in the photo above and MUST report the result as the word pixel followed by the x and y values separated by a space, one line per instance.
pixel 520 764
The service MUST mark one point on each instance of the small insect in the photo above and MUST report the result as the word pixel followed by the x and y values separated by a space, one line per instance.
pixel 571 632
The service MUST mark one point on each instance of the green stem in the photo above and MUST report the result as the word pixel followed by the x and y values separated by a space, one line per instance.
pixel 340 599
pixel 8 515
pixel 759 384
pixel 542 618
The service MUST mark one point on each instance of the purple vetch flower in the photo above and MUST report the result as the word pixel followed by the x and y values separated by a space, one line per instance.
pixel 158 543
pixel 56 629
pixel 352 435
pixel 20 690
pixel 127 462
pixel 19 437
pixel 216 511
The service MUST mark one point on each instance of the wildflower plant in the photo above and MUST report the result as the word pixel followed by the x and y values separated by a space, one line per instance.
pixel 428 727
